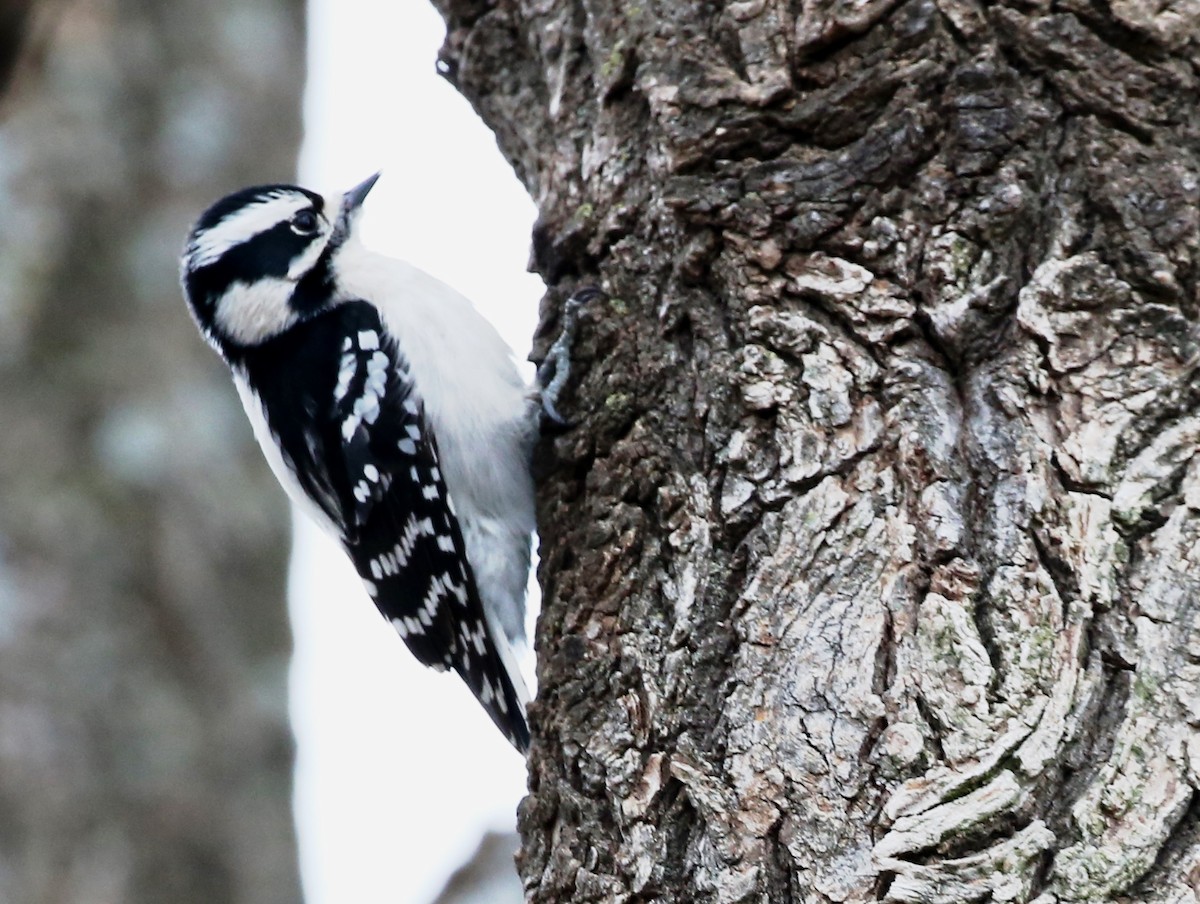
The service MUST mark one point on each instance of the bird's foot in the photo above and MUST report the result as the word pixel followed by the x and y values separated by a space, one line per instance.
pixel 555 370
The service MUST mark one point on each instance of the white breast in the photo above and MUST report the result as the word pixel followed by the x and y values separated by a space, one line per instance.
pixel 478 407
pixel 474 396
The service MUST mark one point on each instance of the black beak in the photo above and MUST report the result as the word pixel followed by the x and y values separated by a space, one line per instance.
pixel 353 199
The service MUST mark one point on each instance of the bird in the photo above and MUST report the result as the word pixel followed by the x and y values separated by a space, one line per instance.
pixel 392 413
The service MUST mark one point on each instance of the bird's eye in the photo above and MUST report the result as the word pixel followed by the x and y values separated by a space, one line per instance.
pixel 305 222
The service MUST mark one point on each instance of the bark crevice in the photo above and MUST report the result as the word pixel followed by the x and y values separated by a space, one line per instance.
pixel 897 369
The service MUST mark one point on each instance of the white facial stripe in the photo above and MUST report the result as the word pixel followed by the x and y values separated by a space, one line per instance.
pixel 305 261
pixel 242 226
pixel 250 314
pixel 333 204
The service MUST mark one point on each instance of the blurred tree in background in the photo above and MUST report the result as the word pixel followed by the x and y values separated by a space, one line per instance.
pixel 144 748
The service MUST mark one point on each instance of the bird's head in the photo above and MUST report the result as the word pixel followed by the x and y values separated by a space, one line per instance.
pixel 260 260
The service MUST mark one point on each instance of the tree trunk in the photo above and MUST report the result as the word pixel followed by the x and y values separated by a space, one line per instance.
pixel 145 755
pixel 872 563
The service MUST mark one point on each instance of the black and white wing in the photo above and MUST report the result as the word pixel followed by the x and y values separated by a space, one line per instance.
pixel 399 525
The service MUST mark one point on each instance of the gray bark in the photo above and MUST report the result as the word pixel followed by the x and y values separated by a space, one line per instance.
pixel 144 749
pixel 872 564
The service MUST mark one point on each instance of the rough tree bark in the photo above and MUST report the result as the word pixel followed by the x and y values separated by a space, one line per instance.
pixel 145 755
pixel 872 566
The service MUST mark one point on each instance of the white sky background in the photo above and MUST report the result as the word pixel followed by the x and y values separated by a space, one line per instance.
pixel 400 770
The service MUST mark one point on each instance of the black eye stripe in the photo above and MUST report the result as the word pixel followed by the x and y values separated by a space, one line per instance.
pixel 270 253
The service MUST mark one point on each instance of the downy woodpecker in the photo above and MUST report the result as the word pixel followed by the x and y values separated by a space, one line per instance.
pixel 391 412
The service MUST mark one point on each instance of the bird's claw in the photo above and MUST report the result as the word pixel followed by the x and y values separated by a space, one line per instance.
pixel 555 369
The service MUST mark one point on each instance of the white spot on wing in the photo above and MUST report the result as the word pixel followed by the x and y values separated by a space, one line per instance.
pixel 367 406
pixel 408 540
pixel 345 375
pixel 478 639
pixel 377 373
pixel 390 565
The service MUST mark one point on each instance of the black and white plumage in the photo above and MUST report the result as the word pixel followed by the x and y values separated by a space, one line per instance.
pixel 391 411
